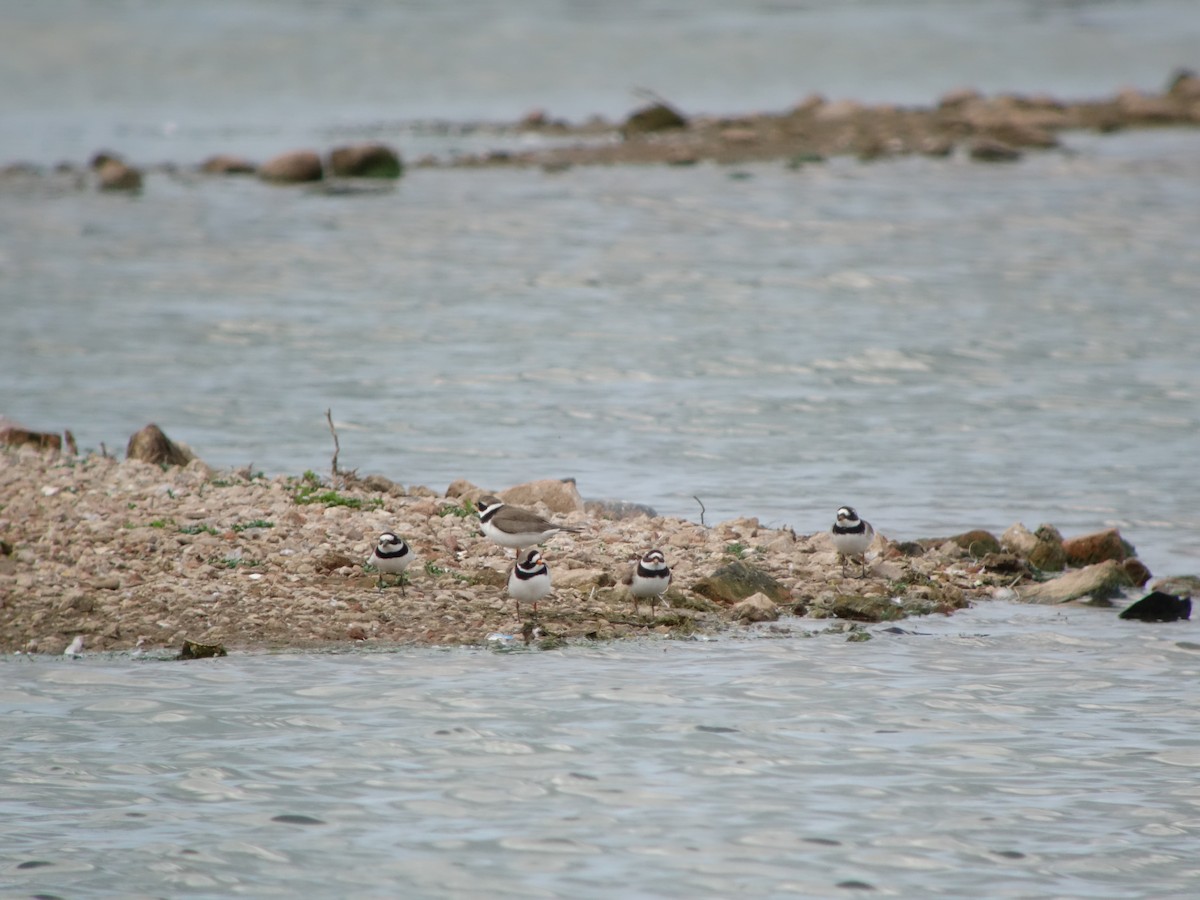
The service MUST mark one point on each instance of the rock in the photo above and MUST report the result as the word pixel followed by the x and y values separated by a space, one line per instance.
pixel 959 97
pixel 618 510
pixel 1138 108
pixel 382 485
pixel 559 496
pixel 1005 564
pixel 1048 554
pixel 978 543
pixel 737 581
pixel 756 608
pixel 936 146
pixel 838 111
pixel 1015 133
pixel 1097 547
pixel 292 167
pixel 226 164
pixel 655 117
pixel 194 650
pixel 464 490
pixel 1042 548
pixel 1183 585
pixel 152 446
pixel 1137 571
pixel 1100 582
pixel 858 608
pixel 582 579
pixel 1019 540
pixel 15 436
pixel 332 561
pixel 114 175
pixel 991 150
pixel 1184 85
pixel 1159 606
pixel 365 161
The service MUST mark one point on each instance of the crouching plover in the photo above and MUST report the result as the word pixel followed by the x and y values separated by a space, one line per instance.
pixel 391 556
pixel 650 578
pixel 852 536
pixel 529 579
pixel 513 527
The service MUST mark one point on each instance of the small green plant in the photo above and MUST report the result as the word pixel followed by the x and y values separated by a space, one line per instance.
pixel 738 551
pixel 310 490
pixel 234 562
pixel 257 523
pixel 198 529
pixel 131 505
pixel 458 510
pixel 162 523
pixel 433 570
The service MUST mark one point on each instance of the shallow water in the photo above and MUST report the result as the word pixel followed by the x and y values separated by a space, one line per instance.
pixel 1042 753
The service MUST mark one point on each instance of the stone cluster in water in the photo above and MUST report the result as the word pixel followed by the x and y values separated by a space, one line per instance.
pixel 151 554
pixel 988 129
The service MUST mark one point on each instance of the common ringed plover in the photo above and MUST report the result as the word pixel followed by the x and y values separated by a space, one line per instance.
pixel 391 556
pixel 529 579
pixel 513 527
pixel 650 578
pixel 851 536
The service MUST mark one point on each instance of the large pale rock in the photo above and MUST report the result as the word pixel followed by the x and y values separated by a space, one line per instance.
pixel 559 496
pixel 1097 547
pixel 365 161
pixel 1018 539
pixel 1100 582
pixel 618 510
pixel 153 446
pixel 756 608
pixel 1042 548
pixel 292 167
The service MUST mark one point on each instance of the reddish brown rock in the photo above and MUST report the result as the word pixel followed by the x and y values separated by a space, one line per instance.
pixel 1137 571
pixel 365 161
pixel 1097 547
pixel 293 167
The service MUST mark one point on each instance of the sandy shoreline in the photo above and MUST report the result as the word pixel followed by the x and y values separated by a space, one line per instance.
pixel 129 553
